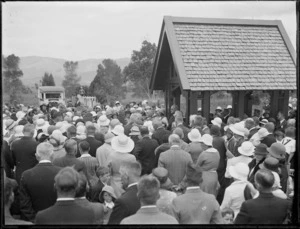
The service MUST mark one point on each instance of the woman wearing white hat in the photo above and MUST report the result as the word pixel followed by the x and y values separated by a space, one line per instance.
pixel 259 136
pixel 57 140
pixel 195 148
pixel 247 151
pixel 234 194
pixel 122 145
pixel 238 130
pixel 103 122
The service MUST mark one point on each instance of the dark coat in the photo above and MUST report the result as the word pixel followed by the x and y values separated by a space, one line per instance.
pixel 125 206
pixel 37 189
pixel 269 140
pixel 65 213
pixel 281 126
pixel 7 160
pixel 185 132
pixel 94 145
pixel 96 207
pixel 70 160
pixel 266 209
pixel 23 152
pixel 162 148
pixel 252 132
pixel 219 144
pixel 252 165
pixel 144 153
pixel 127 129
pixel 96 190
pixel 158 135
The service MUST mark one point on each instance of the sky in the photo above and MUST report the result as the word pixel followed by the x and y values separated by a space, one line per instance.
pixel 86 30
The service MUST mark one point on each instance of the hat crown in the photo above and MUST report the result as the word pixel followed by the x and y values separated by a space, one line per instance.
pixel 261 148
pixel 241 169
pixel 247 146
pixel 195 133
pixel 123 140
pixel 207 139
pixel 102 118
pixel 277 149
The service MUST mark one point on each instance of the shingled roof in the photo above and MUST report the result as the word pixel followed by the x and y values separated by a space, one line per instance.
pixel 228 54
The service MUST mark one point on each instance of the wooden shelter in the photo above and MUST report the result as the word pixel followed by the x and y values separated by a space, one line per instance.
pixel 200 56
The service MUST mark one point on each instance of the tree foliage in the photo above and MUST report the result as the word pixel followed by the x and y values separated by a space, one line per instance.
pixel 11 78
pixel 107 85
pixel 140 68
pixel 71 80
pixel 48 80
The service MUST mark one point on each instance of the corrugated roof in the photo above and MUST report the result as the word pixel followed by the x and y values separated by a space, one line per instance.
pixel 51 89
pixel 226 57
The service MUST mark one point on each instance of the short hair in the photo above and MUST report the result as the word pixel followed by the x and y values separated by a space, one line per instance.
pixel 90 129
pixel 66 180
pixel 290 132
pixel 198 120
pixel 29 129
pixel 44 150
pixel 135 117
pixel 148 189
pixel 193 174
pixel 144 130
pixel 131 168
pixel 270 127
pixel 230 120
pixel 178 131
pixel 9 186
pixel 101 171
pixel 250 122
pixel 72 130
pixel 227 211
pixel 84 146
pixel 278 133
pixel 174 139
pixel 264 178
pixel 215 130
pixel 82 185
pixel 165 138
pixel 70 146
pixel 256 120
pixel 178 118
pixel 156 122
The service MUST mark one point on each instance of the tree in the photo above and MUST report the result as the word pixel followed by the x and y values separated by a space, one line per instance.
pixel 139 70
pixel 11 80
pixel 71 80
pixel 107 85
pixel 48 80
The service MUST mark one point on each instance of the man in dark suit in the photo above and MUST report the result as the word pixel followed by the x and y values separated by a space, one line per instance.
pixel 266 208
pixel 172 118
pixel 148 194
pixel 128 203
pixel 66 211
pixel 70 159
pixel 103 173
pixel 80 199
pixel 282 123
pixel 159 131
pixel 94 144
pixel 23 151
pixel 179 124
pixel 144 151
pixel 37 184
pixel 270 138
pixel 71 134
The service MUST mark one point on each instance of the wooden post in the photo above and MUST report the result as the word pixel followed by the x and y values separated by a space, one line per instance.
pixel 235 96
pixel 283 102
pixel 240 104
pixel 248 102
pixel 193 102
pixel 206 104
pixel 274 103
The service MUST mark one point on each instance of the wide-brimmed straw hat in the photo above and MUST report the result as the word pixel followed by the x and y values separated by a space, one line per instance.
pixel 10 124
pixel 103 120
pixel 239 171
pixel 41 123
pixel 122 144
pixel 135 130
pixel 118 130
pixel 194 135
pixel 246 149
pixel 237 129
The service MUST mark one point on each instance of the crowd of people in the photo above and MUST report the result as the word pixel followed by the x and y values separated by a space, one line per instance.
pixel 133 165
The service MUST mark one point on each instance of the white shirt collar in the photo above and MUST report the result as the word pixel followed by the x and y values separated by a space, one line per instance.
pixel 132 184
pixel 85 155
pixel 65 199
pixel 149 206
pixel 80 198
pixel 192 188
pixel 44 161
pixel 175 146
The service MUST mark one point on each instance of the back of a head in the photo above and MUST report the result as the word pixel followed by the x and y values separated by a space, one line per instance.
pixel 156 123
pixel 290 132
pixel 165 138
pixel 148 190
pixel 82 186
pixel 215 130
pixel 28 130
pixel 144 130
pixel 230 120
pixel 174 139
pixel 256 120
pixel 249 123
pixel 270 127
pixel 133 169
pixel 101 171
pixel 99 136
pixel 178 119
pixel 66 181
pixel 90 130
pixel 84 146
pixel 193 175
pixel 198 120
pixel 134 118
pixel 178 131
pixel 70 146
pixel 71 131
pixel 44 150
pixel 264 178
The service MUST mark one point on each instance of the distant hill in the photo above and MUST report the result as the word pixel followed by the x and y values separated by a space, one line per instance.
pixel 34 67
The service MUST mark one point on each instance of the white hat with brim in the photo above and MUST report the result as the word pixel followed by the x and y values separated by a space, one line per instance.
pixel 239 171
pixel 207 139
pixel 122 144
pixel 58 136
pixel 10 124
pixel 194 135
pixel 19 131
pixel 246 149
pixel 219 108
pixel 118 130
pixel 20 115
pixel 217 121
pixel 103 120
pixel 108 137
pixel 237 129
pixel 135 130
pixel 40 123
pixel 229 107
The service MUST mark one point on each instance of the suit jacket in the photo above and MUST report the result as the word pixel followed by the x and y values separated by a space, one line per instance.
pixel 96 190
pixel 252 165
pixel 219 144
pixel 159 133
pixel 94 145
pixel 65 213
pixel 185 132
pixel 37 189
pixel 162 148
pixel 23 152
pixel 125 206
pixel 149 216
pixel 97 208
pixel 281 126
pixel 196 207
pixel 252 132
pixel 7 159
pixel 70 160
pixel 269 140
pixel 266 209
pixel 144 153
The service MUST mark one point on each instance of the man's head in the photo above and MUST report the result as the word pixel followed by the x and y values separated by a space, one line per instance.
pixel 44 151
pixel 82 186
pixel 71 132
pixel 290 132
pixel 174 140
pixel 148 190
pixel 249 123
pixel 29 130
pixel 66 182
pixel 144 131
pixel 130 173
pixel 198 121
pixel 270 127
pixel 178 131
pixel 103 174
pixel 157 123
pixel 174 108
pixel 264 180
pixel 90 130
pixel 193 175
pixel 280 115
pixel 71 147
pixel 84 147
